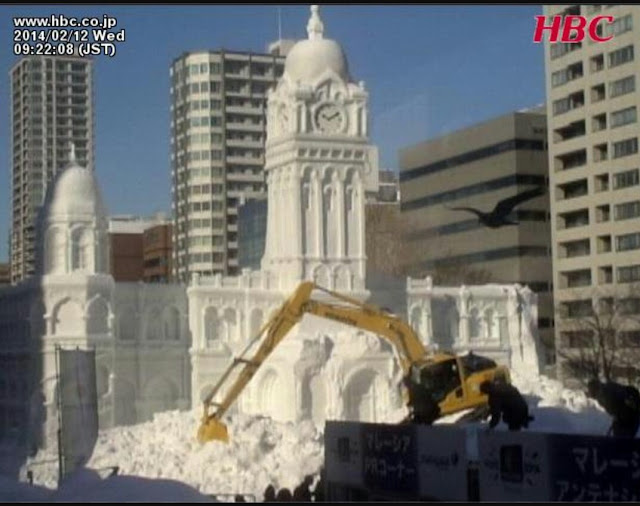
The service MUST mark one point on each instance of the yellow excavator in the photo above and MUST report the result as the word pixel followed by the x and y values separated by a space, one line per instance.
pixel 449 382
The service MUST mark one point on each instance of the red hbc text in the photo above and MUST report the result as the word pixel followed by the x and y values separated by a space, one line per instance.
pixel 570 28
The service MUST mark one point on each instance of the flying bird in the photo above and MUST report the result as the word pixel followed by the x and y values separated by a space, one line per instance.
pixel 498 217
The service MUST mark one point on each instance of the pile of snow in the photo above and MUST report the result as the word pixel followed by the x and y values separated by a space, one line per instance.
pixel 262 451
pixel 559 409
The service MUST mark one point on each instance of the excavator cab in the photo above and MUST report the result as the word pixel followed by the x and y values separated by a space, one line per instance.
pixel 441 378
pixel 453 382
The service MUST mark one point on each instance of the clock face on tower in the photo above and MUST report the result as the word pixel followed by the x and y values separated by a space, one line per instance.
pixel 330 118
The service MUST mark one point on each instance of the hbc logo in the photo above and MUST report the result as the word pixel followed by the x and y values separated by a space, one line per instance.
pixel 570 28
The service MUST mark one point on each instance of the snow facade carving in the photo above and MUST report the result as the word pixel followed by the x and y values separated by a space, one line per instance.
pixel 498 321
pixel 162 347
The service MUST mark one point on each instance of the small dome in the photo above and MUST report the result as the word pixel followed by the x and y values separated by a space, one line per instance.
pixel 76 193
pixel 309 58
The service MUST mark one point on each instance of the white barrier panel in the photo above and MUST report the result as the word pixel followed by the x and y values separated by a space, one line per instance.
pixel 442 463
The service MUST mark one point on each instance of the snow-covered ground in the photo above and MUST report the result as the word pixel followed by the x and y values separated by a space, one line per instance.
pixel 260 451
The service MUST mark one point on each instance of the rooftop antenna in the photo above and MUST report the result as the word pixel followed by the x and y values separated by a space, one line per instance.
pixel 279 23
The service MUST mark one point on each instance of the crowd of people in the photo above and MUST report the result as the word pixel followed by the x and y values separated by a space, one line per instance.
pixel 304 492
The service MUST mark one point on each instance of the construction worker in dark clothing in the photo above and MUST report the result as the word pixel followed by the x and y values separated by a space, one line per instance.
pixel 506 402
pixel 621 402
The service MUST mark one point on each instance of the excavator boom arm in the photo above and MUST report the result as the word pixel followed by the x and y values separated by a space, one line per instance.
pixel 351 312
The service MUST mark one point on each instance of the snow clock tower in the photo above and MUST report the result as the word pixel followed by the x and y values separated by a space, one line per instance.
pixel 319 163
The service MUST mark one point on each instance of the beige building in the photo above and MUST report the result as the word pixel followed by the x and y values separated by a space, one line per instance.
pixel 51 107
pixel 592 101
pixel 218 107
pixel 477 167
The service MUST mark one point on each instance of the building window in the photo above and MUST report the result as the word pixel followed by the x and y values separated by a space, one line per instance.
pixel 600 152
pixel 598 93
pixel 574 189
pixel 622 86
pixel 626 179
pixel 628 242
pixel 596 63
pixel 578 278
pixel 571 160
pixel 578 308
pixel 605 275
pixel 570 131
pixel 627 210
pixel 623 117
pixel 573 101
pixel 601 182
pixel 629 338
pixel 620 25
pixel 604 243
pixel 560 49
pixel 599 122
pixel 629 274
pixel 577 338
pixel 625 148
pixel 576 248
pixel 602 213
pixel 575 218
pixel 620 56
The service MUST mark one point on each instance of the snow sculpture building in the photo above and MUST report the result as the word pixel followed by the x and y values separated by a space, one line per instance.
pixel 139 331
pixel 319 162
pixel 498 321
pixel 164 346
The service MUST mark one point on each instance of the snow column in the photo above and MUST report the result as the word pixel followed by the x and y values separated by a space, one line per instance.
pixel 317 195
pixel 296 182
pixel 339 182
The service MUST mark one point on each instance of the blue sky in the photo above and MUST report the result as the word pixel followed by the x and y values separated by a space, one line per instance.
pixel 429 70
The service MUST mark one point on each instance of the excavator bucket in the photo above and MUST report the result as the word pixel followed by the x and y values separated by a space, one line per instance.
pixel 212 429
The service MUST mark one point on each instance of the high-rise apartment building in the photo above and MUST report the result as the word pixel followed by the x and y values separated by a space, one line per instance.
pixel 593 96
pixel 51 107
pixel 218 101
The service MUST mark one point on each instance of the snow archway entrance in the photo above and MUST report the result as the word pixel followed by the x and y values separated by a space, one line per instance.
pixel 271 396
pixel 362 396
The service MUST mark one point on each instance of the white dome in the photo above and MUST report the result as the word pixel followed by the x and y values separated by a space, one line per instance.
pixel 310 58
pixel 76 194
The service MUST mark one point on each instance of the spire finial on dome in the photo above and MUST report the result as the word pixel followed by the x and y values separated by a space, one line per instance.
pixel 315 27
